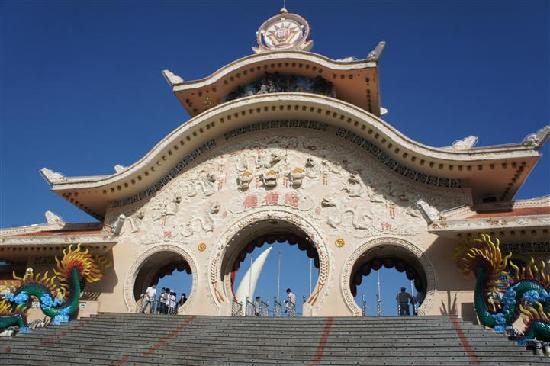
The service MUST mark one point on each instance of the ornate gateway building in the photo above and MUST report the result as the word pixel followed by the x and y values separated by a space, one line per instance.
pixel 288 144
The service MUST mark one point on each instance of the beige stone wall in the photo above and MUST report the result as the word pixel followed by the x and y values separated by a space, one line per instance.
pixel 305 178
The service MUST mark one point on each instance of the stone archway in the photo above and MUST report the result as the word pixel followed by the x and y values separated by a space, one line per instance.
pixel 153 255
pixel 389 247
pixel 261 222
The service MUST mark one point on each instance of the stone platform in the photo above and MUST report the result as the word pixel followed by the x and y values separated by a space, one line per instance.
pixel 137 339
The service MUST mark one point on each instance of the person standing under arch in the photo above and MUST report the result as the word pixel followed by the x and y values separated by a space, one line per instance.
pixel 290 303
pixel 403 298
pixel 149 298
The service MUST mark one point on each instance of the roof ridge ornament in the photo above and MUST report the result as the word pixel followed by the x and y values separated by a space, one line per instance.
pixel 537 139
pixel 171 78
pixel 51 177
pixel 375 54
pixel 53 219
pixel 283 32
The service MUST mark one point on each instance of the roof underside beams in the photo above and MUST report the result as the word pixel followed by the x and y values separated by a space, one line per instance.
pixel 493 171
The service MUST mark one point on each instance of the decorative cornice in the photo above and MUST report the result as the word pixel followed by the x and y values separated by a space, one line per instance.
pixel 329 104
pixel 29 229
pixel 491 223
pixel 227 116
pixel 465 212
pixel 101 239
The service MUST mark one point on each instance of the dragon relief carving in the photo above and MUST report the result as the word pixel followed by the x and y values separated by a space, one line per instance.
pixel 309 175
pixel 207 182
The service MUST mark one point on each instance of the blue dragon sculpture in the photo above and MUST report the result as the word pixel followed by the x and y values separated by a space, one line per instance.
pixel 504 291
pixel 58 294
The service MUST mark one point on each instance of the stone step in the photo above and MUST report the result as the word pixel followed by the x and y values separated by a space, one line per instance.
pixel 171 355
pixel 139 339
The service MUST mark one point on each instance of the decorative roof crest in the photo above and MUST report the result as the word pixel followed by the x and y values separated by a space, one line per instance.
pixel 538 138
pixel 283 32
pixel 51 177
pixel 53 219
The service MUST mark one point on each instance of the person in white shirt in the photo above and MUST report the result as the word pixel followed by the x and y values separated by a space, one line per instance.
pixel 290 303
pixel 149 298
pixel 172 302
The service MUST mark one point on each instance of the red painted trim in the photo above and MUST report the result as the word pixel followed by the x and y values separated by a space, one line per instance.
pixel 465 343
pixel 322 342
pixel 162 341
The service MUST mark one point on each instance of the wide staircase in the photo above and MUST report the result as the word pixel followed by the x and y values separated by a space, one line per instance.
pixel 138 339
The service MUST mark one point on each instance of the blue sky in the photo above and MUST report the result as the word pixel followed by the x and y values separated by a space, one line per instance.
pixel 81 88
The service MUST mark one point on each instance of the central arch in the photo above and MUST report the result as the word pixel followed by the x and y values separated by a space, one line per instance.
pixel 266 224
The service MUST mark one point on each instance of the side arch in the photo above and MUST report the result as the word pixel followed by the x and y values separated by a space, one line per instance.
pixel 138 263
pixel 400 245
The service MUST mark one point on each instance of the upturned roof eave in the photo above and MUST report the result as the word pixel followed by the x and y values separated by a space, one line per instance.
pixel 270 56
pixel 486 154
pixel 497 151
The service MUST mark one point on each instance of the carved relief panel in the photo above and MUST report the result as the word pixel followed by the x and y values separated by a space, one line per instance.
pixel 338 186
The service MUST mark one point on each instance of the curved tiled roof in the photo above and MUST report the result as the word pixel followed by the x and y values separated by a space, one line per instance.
pixel 474 167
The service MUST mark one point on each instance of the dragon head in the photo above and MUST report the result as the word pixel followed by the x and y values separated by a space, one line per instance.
pixel 484 251
pixel 88 267
pixel 30 278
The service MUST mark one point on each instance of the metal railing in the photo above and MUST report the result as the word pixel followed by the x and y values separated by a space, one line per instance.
pixel 263 308
pixel 363 306
pixel 277 307
pixel 236 308
pixel 249 309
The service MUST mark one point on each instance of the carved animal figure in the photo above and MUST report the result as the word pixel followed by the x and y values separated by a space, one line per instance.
pixel 75 268
pixel 204 222
pixel 466 143
pixel 504 291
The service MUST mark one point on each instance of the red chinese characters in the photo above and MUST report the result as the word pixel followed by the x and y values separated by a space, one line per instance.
pixel 271 198
pixel 251 201
pixel 292 199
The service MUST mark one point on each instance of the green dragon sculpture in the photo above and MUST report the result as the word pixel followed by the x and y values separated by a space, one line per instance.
pixel 503 291
pixel 58 295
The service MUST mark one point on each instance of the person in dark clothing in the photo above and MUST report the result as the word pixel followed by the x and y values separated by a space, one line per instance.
pixel 182 300
pixel 403 299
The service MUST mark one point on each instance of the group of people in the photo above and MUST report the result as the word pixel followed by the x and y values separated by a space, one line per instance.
pixel 166 303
